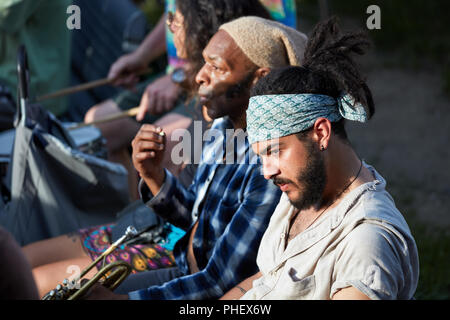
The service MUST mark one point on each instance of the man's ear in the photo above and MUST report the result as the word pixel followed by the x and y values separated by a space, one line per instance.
pixel 260 73
pixel 322 133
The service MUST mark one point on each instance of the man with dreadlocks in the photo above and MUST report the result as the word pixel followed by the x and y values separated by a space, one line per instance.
pixel 336 233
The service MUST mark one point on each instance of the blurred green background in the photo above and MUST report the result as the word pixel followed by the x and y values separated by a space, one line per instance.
pixel 414 30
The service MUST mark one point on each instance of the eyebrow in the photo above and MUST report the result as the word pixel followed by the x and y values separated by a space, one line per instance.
pixel 218 59
pixel 212 57
pixel 271 146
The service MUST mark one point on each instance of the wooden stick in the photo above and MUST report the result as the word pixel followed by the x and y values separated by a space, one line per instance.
pixel 84 86
pixel 74 89
pixel 128 113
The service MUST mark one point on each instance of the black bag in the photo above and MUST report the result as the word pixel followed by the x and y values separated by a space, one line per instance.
pixel 7 109
pixel 54 188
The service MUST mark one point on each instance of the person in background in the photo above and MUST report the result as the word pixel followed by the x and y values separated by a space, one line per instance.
pixel 17 282
pixel 170 90
pixel 40 26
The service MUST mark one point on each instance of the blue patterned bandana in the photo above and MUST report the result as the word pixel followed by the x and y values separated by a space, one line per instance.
pixel 280 115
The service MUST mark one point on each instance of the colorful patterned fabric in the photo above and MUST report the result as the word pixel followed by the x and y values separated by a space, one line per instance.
pixel 96 240
pixel 279 115
pixel 173 60
pixel 283 11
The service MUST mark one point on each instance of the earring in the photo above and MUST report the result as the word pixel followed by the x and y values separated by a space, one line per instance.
pixel 322 148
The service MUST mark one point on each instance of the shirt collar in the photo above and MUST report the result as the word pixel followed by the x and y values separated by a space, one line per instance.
pixel 228 143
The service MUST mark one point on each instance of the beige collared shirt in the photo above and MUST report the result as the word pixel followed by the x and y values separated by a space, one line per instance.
pixel 363 242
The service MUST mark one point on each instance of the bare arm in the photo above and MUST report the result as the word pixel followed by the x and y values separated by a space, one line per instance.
pixel 350 293
pixel 148 151
pixel 154 43
pixel 124 71
pixel 238 291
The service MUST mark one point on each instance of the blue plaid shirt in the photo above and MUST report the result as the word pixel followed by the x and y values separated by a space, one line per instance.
pixel 233 204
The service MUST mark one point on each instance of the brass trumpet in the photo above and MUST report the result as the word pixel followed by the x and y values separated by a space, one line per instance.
pixel 112 274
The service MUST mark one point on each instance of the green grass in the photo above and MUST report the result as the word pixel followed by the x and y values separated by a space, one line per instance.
pixel 434 248
pixel 152 9
pixel 433 244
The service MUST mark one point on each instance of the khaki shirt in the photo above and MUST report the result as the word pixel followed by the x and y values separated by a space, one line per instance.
pixel 363 242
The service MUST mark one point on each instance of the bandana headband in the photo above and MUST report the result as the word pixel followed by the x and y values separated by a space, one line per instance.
pixel 280 115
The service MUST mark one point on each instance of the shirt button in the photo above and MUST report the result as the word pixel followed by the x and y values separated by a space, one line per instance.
pixel 282 236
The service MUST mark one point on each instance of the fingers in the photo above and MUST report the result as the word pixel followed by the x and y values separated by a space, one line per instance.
pixel 159 97
pixel 143 107
pixel 116 70
pixel 146 150
pixel 151 133
pixel 123 71
pixel 148 141
pixel 113 72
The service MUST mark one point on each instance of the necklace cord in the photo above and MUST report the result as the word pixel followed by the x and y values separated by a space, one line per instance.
pixel 337 197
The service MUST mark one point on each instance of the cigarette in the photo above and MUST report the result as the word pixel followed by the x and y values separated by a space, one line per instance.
pixel 161 132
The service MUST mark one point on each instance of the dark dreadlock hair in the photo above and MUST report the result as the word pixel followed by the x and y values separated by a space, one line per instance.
pixel 202 19
pixel 327 69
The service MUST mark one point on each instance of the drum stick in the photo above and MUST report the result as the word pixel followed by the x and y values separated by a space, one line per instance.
pixel 129 113
pixel 84 86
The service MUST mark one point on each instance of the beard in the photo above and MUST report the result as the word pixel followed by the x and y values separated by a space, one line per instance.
pixel 229 102
pixel 312 179
pixel 241 88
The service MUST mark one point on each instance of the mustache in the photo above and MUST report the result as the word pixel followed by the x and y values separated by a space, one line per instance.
pixel 280 181
pixel 205 92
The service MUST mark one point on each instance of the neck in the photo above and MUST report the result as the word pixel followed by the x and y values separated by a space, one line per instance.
pixel 343 168
pixel 240 121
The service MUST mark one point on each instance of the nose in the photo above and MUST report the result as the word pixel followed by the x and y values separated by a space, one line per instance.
pixel 270 167
pixel 202 78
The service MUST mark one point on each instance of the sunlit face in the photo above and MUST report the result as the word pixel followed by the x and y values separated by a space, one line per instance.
pixel 225 78
pixel 175 21
pixel 296 167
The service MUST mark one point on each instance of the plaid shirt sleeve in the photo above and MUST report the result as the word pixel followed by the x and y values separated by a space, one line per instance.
pixel 173 202
pixel 234 254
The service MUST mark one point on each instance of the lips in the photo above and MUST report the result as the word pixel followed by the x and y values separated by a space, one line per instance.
pixel 283 184
pixel 205 95
pixel 204 100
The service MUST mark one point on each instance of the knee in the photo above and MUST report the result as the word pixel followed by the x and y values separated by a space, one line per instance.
pixel 91 114
pixel 101 110
pixel 44 280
